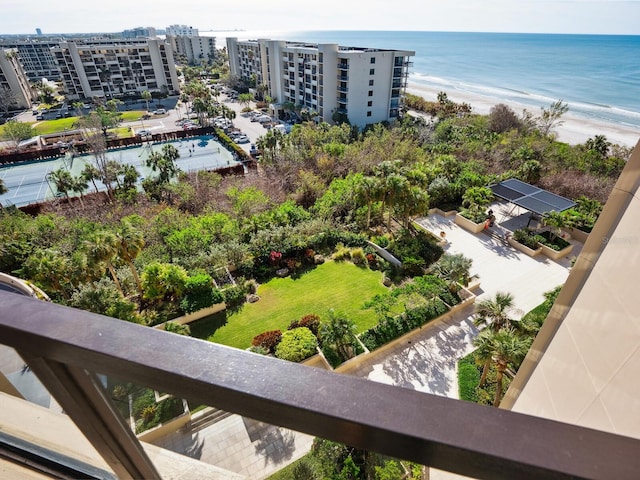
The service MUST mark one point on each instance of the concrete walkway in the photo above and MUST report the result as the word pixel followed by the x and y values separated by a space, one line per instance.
pixel 427 361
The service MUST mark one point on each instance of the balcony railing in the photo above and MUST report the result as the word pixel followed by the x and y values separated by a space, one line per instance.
pixel 65 348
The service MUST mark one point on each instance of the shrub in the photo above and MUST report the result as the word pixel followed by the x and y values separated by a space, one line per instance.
pixel 234 296
pixel 297 344
pixel 468 378
pixel 525 237
pixel 311 321
pixel 358 256
pixel 342 253
pixel 199 293
pixel 267 340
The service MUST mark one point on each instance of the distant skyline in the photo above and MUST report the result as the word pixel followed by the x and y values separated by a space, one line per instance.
pixel 526 16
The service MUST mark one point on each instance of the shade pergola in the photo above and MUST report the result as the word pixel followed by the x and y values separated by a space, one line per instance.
pixel 530 197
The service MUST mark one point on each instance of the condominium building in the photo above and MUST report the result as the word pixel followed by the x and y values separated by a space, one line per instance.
pixel 182 30
pixel 15 91
pixel 363 85
pixel 139 32
pixel 195 49
pixel 36 58
pixel 108 68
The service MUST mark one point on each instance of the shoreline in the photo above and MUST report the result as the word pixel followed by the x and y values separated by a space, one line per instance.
pixel 575 130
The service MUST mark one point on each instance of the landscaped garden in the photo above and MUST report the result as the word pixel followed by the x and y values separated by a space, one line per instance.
pixel 342 286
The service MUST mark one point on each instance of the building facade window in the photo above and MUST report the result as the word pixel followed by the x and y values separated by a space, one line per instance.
pixel 372 71
pixel 369 113
pixel 373 59
pixel 371 93
pixel 370 103
pixel 371 83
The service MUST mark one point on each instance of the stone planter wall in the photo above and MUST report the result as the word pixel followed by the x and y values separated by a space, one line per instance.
pixel 442 213
pixel 523 248
pixel 166 428
pixel 578 235
pixel 192 317
pixel 467 298
pixel 556 254
pixel 468 224
pixel 385 254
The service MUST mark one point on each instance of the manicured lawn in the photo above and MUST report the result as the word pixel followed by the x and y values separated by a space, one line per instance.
pixel 45 127
pixel 341 286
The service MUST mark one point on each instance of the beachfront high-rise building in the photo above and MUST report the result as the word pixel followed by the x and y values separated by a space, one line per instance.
pixel 182 30
pixel 15 91
pixel 108 68
pixel 139 32
pixel 195 49
pixel 363 85
pixel 36 58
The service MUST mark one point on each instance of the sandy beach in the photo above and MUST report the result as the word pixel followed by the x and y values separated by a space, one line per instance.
pixel 574 130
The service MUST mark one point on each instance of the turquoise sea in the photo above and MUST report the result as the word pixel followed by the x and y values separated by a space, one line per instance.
pixel 597 75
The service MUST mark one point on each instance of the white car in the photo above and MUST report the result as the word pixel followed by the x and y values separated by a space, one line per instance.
pixel 143 133
pixel 160 111
pixel 242 139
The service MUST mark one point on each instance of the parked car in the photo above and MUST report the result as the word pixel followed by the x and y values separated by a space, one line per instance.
pixel 242 139
pixel 40 117
pixel 143 133
pixel 160 111
pixel 253 150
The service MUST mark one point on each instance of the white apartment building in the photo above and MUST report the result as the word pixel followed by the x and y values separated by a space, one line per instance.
pixel 36 58
pixel 363 85
pixel 196 49
pixel 111 68
pixel 182 30
pixel 137 32
pixel 13 79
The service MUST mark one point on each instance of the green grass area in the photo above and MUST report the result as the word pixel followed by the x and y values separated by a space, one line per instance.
pixel 338 285
pixel 132 116
pixel 46 127
pixel 287 473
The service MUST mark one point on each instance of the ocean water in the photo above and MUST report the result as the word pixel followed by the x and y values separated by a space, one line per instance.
pixel 598 76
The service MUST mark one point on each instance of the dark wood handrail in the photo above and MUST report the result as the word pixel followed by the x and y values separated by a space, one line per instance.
pixel 448 434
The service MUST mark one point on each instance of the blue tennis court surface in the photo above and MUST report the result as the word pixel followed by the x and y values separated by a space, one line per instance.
pixel 27 182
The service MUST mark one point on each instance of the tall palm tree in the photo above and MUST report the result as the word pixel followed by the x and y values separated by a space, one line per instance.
pixel 79 185
pixel 102 249
pixel 454 269
pixel 3 190
pixel 129 244
pixel 483 354
pixel 496 312
pixel 146 96
pixel 91 173
pixel 63 181
pixel 508 347
pixel 368 190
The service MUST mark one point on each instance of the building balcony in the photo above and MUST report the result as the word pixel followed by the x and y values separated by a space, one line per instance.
pixel 343 89
pixel 343 66
pixel 67 348
pixel 343 78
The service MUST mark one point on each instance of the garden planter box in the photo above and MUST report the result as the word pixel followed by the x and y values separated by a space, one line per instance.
pixel 556 254
pixel 577 234
pixel 166 428
pixel 523 248
pixel 468 224
pixel 448 213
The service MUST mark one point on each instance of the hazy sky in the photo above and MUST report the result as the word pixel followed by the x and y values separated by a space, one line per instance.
pixel 540 16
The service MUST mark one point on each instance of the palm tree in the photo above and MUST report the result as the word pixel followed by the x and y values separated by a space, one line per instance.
pixel 63 181
pixel 555 221
pixel 496 312
pixel 146 96
pixel 454 269
pixel 102 249
pixel 395 184
pixel 91 173
pixel 508 347
pixel 483 354
pixel 3 190
pixel 79 185
pixel 175 327
pixel 129 244
pixel 368 190
pixel 339 331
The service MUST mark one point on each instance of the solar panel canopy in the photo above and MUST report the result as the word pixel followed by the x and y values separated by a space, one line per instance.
pixel 530 197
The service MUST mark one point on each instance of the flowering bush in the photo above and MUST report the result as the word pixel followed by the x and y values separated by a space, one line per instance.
pixel 275 257
pixel 267 340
